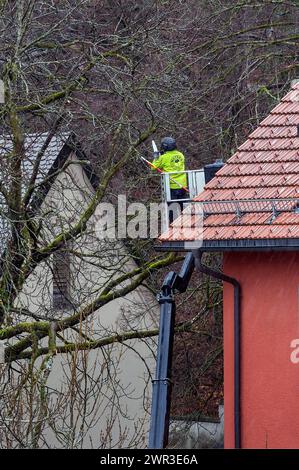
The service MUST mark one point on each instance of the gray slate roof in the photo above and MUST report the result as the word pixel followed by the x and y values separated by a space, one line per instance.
pixel 33 145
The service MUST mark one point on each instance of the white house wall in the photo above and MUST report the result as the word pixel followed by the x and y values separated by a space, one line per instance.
pixel 122 371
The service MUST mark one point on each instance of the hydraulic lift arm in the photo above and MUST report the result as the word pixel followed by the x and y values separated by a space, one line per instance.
pixel 159 430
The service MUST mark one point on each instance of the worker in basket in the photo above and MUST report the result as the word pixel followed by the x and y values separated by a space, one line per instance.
pixel 170 161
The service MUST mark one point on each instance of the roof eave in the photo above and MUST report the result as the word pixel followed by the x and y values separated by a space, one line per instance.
pixel 279 244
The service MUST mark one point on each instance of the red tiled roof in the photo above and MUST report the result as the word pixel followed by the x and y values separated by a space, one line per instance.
pixel 265 171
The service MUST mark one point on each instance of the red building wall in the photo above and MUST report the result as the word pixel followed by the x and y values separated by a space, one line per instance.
pixel 269 368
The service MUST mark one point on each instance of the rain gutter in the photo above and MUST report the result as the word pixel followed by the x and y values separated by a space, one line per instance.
pixel 278 244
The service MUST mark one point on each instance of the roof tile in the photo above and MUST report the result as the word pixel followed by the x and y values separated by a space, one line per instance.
pixel 280 120
pixel 255 194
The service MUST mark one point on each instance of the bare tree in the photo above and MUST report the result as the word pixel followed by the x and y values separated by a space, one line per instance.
pixel 110 75
pixel 72 69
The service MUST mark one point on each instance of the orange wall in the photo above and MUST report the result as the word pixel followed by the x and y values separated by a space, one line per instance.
pixel 270 322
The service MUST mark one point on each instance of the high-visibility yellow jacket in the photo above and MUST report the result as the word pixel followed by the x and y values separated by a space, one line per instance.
pixel 172 161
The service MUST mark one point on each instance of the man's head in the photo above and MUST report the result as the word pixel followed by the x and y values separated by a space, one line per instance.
pixel 167 144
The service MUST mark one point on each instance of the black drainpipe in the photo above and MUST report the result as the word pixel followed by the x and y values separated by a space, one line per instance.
pixel 237 343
